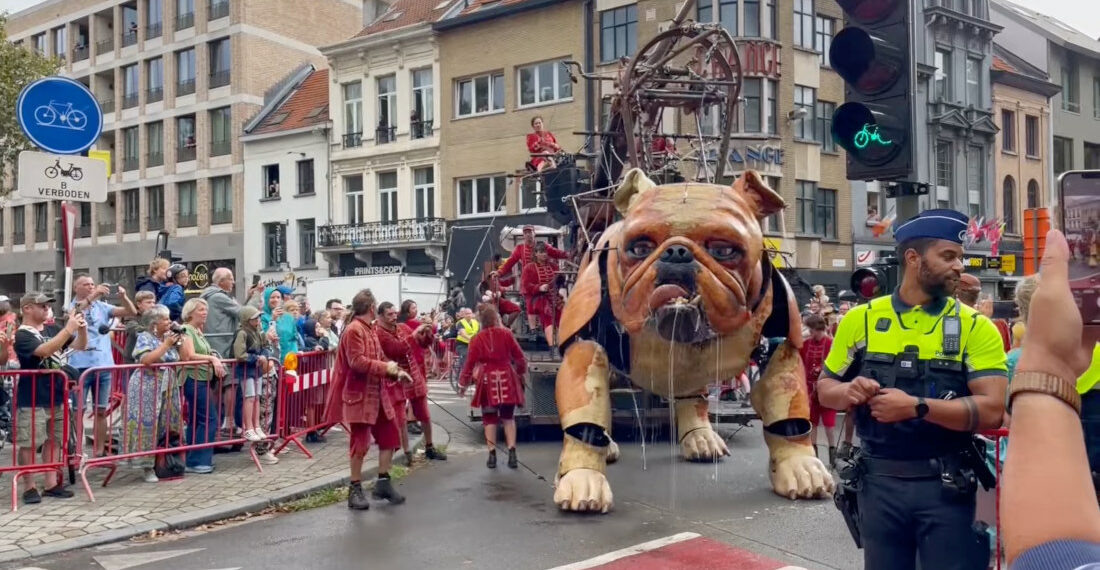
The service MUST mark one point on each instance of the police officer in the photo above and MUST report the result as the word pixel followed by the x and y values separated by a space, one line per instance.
pixel 931 372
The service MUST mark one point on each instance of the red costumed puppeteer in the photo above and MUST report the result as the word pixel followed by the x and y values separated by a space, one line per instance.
pixel 405 347
pixel 539 288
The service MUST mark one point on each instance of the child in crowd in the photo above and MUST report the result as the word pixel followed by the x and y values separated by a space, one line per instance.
pixel 813 352
pixel 253 351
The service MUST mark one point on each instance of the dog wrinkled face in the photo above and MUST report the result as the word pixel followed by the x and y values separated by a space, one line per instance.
pixel 690 256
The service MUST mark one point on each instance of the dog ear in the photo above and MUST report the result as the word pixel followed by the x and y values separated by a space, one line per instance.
pixel 634 184
pixel 767 201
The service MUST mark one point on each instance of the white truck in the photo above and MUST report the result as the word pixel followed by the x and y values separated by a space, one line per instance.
pixel 428 291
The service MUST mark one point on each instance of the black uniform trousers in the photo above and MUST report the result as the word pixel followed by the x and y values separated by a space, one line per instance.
pixel 904 520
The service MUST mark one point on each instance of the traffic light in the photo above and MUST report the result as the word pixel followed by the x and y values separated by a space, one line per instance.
pixel 875 280
pixel 875 124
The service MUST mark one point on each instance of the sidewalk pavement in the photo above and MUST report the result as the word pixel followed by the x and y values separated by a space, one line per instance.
pixel 130 507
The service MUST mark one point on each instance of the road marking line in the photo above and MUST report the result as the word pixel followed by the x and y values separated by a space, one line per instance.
pixel 124 561
pixel 629 551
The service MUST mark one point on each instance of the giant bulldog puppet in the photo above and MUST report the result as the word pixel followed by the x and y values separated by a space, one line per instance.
pixel 677 295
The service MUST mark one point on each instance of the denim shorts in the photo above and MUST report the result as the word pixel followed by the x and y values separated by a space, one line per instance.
pixel 98 384
pixel 250 387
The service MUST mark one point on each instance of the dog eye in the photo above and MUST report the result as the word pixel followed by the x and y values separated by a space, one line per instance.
pixel 725 251
pixel 641 247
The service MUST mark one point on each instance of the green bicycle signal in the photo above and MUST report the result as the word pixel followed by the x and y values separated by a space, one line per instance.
pixel 867 135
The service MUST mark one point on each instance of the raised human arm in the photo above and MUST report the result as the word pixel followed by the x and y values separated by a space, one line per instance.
pixel 1047 491
pixel 127 309
pixel 72 329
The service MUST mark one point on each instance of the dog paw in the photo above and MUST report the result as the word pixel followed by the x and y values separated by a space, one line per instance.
pixel 583 491
pixel 703 444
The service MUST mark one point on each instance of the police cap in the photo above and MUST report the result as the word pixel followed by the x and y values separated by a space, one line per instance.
pixel 939 224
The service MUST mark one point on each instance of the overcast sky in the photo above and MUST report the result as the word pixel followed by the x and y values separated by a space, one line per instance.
pixel 1081 14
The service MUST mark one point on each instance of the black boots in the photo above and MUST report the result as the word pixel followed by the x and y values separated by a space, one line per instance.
pixel 432 453
pixel 383 489
pixel 832 456
pixel 492 462
pixel 512 461
pixel 356 499
pixel 414 428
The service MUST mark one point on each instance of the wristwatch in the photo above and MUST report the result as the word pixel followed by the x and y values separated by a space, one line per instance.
pixel 922 408
pixel 1048 384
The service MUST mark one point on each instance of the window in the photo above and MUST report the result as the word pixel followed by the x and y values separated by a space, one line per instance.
pixel 187 201
pixel 154 77
pixel 942 77
pixel 805 98
pixel 424 192
pixel 353 189
pixel 727 16
pixel 772 224
pixel 130 148
pixel 129 25
pixel 353 114
pixel 945 166
pixel 60 45
pixel 823 38
pixel 154 202
pixel 805 206
pixel 154 16
pixel 751 95
pixel 130 86
pixel 1071 100
pixel 41 222
pixel 1096 97
pixel 1031 133
pixel 1008 199
pixel 221 131
pixel 221 200
pixel 1092 156
pixel 771 110
pixel 185 14
pixel 973 82
pixel 825 213
pixel 185 138
pixel 131 211
pixel 1033 194
pixel 1008 130
pixel 976 9
pixel 218 9
pixel 271 182
pixel 220 59
pixel 387 196
pixel 975 179
pixel 40 43
pixel 479 95
pixel 804 23
pixel 307 243
pixel 274 245
pixel 83 222
pixel 1063 155
pixel 387 109
pixel 769 10
pixel 752 18
pixel 544 83
pixel 423 113
pixel 618 32
pixel 305 177
pixel 477 196
pixel 19 225
pixel 185 72
pixel 154 143
pixel 824 131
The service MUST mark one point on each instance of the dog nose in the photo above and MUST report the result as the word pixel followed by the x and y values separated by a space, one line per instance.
pixel 677 254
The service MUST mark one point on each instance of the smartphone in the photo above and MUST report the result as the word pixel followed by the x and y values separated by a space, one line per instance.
pixel 255 279
pixel 112 289
pixel 1079 217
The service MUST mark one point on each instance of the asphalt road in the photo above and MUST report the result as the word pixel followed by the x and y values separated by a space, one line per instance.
pixel 461 515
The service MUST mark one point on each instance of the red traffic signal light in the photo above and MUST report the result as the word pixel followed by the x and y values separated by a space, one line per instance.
pixel 869 282
pixel 868 11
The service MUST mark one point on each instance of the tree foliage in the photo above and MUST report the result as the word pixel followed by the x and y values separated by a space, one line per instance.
pixel 19 66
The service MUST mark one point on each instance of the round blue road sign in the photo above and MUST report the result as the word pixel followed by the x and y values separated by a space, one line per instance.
pixel 59 115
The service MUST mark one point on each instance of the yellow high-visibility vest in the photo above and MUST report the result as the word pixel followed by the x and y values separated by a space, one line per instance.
pixel 469 329
pixel 1091 377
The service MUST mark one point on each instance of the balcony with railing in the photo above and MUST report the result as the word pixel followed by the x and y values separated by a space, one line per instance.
pixel 220 148
pixel 385 134
pixel 156 222
pixel 107 105
pixel 187 220
pixel 185 153
pixel 130 100
pixel 219 78
pixel 353 140
pixel 426 231
pixel 185 87
pixel 40 235
pixel 80 53
pixel 129 38
pixel 106 228
pixel 185 20
pixel 154 159
pixel 131 225
pixel 18 238
pixel 129 163
pixel 105 45
pixel 421 129
pixel 153 95
pixel 221 217
pixel 154 31
pixel 218 9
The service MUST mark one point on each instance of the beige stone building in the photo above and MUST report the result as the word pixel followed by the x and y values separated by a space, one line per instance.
pixel 177 80
pixel 1022 160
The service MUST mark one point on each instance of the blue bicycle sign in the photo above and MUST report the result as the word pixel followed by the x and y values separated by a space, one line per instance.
pixel 59 115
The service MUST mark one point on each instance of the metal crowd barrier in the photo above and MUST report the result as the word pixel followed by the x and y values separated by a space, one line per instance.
pixel 302 398
pixel 997 436
pixel 39 428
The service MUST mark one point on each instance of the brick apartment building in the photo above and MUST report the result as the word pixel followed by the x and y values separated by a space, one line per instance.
pixel 177 80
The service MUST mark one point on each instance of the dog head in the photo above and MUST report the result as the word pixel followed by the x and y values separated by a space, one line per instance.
pixel 689 255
